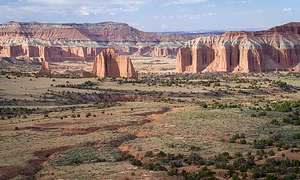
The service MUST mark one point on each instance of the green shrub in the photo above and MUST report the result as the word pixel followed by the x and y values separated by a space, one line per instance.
pixel 283 106
pixel 262 143
pixel 149 154
pixel 88 114
pixel 258 173
pixel 253 115
pixel 296 136
pixel 161 154
pixel 135 162
pixel 274 122
pixel 155 167
pixel 175 164
pixel 262 113
pixel 271 153
pixel 243 141
pixel 76 156
pixel 271 177
pixel 235 176
pixel 244 175
pixel 195 148
pixel 234 138
pixel 290 177
pixel 173 172
pixel 238 154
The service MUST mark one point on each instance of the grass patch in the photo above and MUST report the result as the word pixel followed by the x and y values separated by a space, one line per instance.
pixel 78 156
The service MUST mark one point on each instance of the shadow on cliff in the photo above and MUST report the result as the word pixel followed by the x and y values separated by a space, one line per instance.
pixel 266 59
pixel 205 58
pixel 50 53
pixel 274 59
pixel 58 54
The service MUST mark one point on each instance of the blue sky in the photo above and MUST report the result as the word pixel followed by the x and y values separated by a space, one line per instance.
pixel 157 15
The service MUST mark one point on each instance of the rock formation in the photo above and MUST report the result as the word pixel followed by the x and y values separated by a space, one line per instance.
pixel 110 64
pixel 85 74
pixel 167 49
pixel 76 42
pixel 49 53
pixel 165 52
pixel 274 49
pixel 45 68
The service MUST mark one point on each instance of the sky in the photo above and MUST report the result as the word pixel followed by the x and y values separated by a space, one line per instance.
pixel 157 15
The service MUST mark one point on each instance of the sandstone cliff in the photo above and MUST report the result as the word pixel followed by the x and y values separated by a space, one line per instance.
pixel 167 49
pixel 165 52
pixel 49 53
pixel 59 42
pixel 110 64
pixel 45 68
pixel 274 49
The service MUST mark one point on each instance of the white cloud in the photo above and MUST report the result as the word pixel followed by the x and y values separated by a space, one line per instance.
pixel 84 11
pixel 182 2
pixel 67 10
pixel 53 2
pixel 84 7
pixel 287 9
pixel 244 1
pixel 91 2
pixel 210 14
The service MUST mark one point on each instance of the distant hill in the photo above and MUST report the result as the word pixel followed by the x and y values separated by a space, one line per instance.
pixel 210 32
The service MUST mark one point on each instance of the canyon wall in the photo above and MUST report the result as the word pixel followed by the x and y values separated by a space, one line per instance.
pixel 50 53
pixel 110 64
pixel 77 53
pixel 78 42
pixel 262 51
pixel 165 52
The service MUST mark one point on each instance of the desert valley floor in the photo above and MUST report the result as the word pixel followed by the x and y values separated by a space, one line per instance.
pixel 161 125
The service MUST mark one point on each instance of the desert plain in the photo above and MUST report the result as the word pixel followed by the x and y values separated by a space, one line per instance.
pixel 159 125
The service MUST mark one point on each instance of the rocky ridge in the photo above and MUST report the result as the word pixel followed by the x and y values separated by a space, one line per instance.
pixel 275 49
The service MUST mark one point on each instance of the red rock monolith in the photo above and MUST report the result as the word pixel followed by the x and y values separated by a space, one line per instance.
pixel 110 64
pixel 45 68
